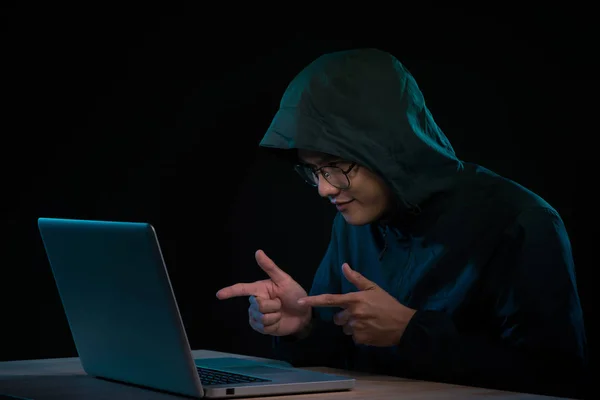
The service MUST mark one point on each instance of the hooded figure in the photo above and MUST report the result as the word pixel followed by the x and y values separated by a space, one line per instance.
pixel 472 271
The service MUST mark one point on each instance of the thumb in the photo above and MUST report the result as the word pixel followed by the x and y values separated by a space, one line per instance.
pixel 357 279
pixel 276 274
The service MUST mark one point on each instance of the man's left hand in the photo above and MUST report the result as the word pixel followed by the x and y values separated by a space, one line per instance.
pixel 371 315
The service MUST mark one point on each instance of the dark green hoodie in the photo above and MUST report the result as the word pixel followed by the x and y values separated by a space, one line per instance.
pixel 486 263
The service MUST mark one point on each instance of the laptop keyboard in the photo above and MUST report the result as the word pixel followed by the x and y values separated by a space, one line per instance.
pixel 214 377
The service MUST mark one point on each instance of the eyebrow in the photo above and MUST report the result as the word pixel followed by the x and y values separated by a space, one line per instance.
pixel 324 160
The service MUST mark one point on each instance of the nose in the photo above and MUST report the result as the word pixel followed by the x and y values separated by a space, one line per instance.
pixel 326 189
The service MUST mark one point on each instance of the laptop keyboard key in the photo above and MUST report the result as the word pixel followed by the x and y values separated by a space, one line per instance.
pixel 214 377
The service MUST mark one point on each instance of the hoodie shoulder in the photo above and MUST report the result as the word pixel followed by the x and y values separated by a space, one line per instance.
pixel 509 194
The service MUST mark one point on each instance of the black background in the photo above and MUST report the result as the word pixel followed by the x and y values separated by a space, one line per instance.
pixel 155 115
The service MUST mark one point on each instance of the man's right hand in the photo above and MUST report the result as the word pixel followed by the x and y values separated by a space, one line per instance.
pixel 274 308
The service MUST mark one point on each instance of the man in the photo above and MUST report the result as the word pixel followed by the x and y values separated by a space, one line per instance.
pixel 437 269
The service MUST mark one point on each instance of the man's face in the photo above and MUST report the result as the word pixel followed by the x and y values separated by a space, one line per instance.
pixel 367 198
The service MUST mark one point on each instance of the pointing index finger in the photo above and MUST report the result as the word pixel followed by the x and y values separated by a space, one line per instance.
pixel 329 300
pixel 238 290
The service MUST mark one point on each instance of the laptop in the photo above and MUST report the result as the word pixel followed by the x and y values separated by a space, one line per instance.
pixel 120 306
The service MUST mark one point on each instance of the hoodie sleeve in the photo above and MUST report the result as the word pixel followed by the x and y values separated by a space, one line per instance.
pixel 324 343
pixel 538 315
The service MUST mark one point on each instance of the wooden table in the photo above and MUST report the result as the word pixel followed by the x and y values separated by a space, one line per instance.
pixel 64 379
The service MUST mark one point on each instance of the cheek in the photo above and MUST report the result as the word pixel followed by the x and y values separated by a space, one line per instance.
pixel 371 194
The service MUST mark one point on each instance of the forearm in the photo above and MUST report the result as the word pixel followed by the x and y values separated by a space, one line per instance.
pixel 537 341
pixel 433 349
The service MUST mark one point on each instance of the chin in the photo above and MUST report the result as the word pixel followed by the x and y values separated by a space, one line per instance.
pixel 360 216
pixel 357 220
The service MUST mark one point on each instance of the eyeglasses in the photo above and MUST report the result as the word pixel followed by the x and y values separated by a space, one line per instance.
pixel 336 176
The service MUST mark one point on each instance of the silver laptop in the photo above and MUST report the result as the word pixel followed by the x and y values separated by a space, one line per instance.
pixel 126 326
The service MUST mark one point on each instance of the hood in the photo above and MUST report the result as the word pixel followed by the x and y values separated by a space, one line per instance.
pixel 364 106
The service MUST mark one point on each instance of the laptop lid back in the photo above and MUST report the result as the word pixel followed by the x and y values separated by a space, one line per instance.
pixel 119 303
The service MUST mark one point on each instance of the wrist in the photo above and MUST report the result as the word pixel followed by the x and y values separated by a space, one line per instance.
pixel 306 328
pixel 407 315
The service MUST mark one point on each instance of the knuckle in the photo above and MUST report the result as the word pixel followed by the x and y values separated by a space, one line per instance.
pixel 328 300
pixel 269 330
pixel 263 309
pixel 270 319
pixel 271 307
pixel 358 311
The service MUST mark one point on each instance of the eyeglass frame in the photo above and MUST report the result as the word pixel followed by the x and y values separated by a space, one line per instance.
pixel 318 171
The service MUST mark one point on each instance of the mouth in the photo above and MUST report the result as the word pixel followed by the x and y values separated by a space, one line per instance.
pixel 342 205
